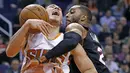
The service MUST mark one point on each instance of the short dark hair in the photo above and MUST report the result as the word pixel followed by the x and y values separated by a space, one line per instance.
pixel 86 11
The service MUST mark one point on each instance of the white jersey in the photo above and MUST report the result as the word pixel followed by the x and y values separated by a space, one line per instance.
pixel 40 42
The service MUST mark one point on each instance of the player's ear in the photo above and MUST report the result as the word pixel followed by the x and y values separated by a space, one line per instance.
pixel 83 18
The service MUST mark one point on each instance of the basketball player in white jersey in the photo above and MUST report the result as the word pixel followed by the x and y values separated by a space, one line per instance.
pixel 38 44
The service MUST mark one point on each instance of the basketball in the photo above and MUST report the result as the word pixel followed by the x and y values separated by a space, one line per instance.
pixel 33 11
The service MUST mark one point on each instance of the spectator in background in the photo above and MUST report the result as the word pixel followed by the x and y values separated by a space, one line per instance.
pixel 110 47
pixel 109 20
pixel 116 43
pixel 92 7
pixel 124 51
pixel 15 64
pixel 103 5
pixel 83 2
pixel 127 3
pixel 125 28
pixel 95 27
pixel 127 10
pixel 104 33
pixel 4 67
pixel 124 68
pixel 118 29
pixel 2 45
pixel 127 59
pixel 118 9
pixel 5 63
pixel 128 43
pixel 111 64
pixel 108 50
pixel 108 41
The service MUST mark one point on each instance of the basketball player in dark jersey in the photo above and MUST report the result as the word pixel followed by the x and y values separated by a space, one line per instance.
pixel 81 15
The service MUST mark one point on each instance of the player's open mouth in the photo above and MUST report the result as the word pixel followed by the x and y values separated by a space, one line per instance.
pixel 55 13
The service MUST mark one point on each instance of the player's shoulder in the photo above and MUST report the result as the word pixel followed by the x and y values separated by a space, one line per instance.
pixel 74 26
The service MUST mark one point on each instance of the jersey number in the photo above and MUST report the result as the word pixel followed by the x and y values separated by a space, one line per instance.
pixel 94 37
pixel 101 55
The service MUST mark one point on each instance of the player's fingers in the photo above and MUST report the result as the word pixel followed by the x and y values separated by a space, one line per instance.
pixel 47 26
pixel 46 23
pixel 43 32
pixel 54 64
pixel 58 61
pixel 58 69
pixel 50 60
pixel 44 28
pixel 53 71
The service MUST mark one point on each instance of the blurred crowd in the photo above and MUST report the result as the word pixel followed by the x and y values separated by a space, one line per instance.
pixel 110 21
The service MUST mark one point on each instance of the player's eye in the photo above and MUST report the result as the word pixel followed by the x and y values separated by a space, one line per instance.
pixel 72 11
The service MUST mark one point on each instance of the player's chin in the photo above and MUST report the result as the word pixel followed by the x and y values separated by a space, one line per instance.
pixel 68 22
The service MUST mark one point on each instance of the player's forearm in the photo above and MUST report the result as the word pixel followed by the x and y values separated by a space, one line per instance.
pixel 82 60
pixel 70 41
pixel 16 41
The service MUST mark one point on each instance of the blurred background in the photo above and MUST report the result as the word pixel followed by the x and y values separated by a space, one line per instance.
pixel 110 21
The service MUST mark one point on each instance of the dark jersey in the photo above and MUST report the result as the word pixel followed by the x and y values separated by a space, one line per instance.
pixel 93 49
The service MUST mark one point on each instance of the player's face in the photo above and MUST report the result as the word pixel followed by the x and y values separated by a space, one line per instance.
pixel 73 15
pixel 55 12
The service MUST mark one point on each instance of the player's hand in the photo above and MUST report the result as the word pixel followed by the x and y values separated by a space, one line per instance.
pixel 58 60
pixel 31 63
pixel 58 69
pixel 48 66
pixel 40 25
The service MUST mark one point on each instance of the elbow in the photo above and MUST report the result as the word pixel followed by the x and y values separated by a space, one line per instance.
pixel 92 70
pixel 9 52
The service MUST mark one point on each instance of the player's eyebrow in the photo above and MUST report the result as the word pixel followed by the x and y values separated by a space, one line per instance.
pixel 71 9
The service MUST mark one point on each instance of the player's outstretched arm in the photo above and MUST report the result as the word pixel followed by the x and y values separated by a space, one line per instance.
pixel 72 37
pixel 19 39
pixel 82 61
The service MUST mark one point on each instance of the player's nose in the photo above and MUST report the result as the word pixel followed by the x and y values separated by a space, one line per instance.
pixel 67 15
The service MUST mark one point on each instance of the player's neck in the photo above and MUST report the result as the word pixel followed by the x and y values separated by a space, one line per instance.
pixel 55 31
